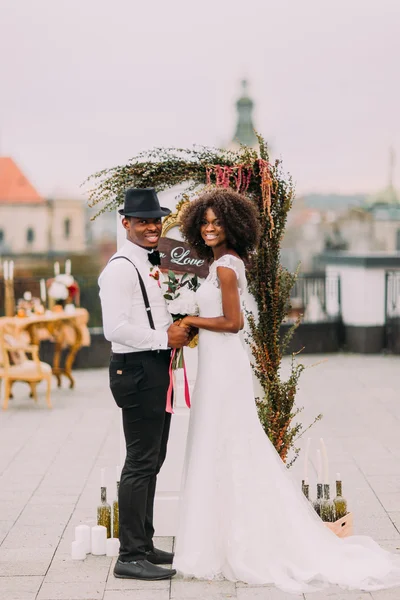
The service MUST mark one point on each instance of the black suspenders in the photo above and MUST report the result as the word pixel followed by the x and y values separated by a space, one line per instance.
pixel 143 288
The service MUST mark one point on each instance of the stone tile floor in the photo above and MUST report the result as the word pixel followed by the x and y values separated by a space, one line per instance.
pixel 50 460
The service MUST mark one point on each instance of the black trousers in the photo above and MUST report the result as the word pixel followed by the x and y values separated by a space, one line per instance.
pixel 139 383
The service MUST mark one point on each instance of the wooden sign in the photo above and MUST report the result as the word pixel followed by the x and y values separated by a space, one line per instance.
pixel 180 258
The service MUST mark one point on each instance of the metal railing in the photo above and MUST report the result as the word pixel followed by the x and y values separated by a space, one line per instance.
pixel 392 294
pixel 392 312
pixel 316 296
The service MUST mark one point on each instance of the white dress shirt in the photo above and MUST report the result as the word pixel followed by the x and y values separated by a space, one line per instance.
pixel 125 321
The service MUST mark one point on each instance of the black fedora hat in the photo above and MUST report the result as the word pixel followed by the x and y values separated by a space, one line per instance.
pixel 143 202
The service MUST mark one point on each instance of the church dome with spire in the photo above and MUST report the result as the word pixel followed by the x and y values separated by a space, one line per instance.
pixel 244 133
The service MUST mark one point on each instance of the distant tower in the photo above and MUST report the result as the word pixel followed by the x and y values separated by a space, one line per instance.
pixel 389 195
pixel 244 133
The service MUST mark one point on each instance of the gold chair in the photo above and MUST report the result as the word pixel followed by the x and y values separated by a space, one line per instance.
pixel 15 366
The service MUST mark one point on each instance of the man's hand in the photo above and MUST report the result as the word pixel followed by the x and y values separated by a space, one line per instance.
pixel 193 331
pixel 177 336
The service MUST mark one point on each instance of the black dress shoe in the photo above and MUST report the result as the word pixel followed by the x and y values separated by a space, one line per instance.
pixel 159 557
pixel 141 569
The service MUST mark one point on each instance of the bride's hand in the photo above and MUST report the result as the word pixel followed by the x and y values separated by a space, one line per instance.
pixel 185 323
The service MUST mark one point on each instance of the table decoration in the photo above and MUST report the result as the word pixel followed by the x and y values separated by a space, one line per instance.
pixel 9 297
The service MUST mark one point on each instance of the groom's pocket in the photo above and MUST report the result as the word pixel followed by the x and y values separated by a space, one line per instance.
pixel 126 382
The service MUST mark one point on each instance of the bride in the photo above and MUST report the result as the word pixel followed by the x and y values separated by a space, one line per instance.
pixel 241 516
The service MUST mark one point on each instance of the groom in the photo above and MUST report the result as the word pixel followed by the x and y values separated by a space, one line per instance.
pixel 137 322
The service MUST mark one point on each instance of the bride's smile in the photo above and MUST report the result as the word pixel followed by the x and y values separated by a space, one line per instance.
pixel 211 229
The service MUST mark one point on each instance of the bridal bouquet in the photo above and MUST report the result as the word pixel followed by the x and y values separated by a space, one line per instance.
pixel 181 295
pixel 181 302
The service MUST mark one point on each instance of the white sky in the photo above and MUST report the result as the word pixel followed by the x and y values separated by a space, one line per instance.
pixel 86 84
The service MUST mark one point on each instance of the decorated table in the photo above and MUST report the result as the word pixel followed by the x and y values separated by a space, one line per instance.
pixel 67 329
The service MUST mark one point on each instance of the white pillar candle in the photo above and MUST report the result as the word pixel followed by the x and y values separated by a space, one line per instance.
pixel 319 467
pixel 337 476
pixel 112 547
pixel 56 268
pixel 43 290
pixel 82 534
pixel 5 270
pixel 306 456
pixel 99 540
pixel 324 461
pixel 78 550
pixel 102 477
pixel 11 271
pixel 118 472
pixel 68 267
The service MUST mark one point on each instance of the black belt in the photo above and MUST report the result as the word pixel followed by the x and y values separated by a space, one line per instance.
pixel 132 356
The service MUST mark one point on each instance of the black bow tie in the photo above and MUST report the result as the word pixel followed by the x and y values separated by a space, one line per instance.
pixel 154 258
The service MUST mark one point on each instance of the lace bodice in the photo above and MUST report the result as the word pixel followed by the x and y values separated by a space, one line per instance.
pixel 231 262
pixel 209 296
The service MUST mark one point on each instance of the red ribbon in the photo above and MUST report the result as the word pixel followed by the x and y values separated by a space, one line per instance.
pixel 169 408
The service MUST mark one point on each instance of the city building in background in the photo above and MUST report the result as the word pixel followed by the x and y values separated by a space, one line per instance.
pixel 31 225
pixel 320 223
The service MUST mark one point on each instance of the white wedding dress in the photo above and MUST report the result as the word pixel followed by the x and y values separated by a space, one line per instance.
pixel 241 515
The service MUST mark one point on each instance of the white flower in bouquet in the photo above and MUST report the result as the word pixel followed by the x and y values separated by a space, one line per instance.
pixel 184 303
pixel 58 290
pixel 65 279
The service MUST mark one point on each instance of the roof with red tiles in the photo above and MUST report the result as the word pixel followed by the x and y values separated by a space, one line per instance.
pixel 14 186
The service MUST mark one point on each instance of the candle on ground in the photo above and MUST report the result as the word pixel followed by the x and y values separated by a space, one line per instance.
pixel 324 461
pixel 112 547
pixel 103 478
pixel 78 550
pixel 82 534
pixel 99 540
